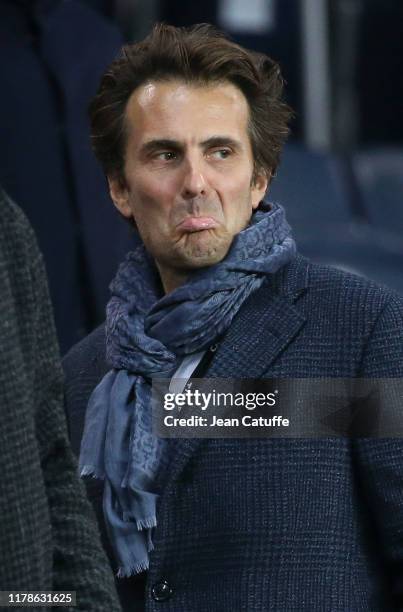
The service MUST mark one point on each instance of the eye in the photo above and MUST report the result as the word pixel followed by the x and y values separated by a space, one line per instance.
pixel 166 155
pixel 220 153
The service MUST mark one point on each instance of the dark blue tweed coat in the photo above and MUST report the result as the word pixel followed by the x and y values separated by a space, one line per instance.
pixel 279 524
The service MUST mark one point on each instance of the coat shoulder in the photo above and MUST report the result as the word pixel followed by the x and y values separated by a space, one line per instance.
pixel 350 320
pixel 337 289
pixel 87 356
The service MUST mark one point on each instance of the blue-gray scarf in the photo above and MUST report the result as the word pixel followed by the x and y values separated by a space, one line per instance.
pixel 148 336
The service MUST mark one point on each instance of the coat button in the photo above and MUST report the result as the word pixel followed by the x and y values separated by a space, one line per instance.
pixel 161 591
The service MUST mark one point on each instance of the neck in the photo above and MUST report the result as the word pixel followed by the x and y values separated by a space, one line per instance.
pixel 171 279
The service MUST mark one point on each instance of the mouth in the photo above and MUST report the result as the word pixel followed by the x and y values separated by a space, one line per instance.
pixel 197 224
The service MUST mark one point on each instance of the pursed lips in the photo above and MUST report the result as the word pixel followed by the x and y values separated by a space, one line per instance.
pixel 197 224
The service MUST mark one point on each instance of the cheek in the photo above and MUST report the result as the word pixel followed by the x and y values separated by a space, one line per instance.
pixel 153 202
pixel 148 196
pixel 156 193
pixel 238 198
pixel 237 184
pixel 150 207
pixel 238 212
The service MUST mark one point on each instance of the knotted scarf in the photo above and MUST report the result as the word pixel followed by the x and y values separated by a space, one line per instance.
pixel 147 336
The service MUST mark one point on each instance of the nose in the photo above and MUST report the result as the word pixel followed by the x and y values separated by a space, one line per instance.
pixel 194 181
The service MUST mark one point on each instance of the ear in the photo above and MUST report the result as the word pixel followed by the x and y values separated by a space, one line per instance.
pixel 120 195
pixel 259 187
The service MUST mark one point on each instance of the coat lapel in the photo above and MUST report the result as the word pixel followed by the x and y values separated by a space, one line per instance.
pixel 263 329
pixel 264 326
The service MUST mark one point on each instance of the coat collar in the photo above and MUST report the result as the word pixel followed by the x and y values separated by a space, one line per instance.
pixel 271 312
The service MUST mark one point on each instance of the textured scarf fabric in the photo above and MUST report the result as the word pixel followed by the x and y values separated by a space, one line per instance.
pixel 148 336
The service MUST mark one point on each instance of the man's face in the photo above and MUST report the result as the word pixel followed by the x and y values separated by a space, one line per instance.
pixel 188 172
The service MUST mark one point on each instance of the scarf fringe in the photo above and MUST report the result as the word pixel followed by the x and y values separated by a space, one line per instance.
pixel 141 566
pixel 89 470
pixel 146 523
pixel 141 524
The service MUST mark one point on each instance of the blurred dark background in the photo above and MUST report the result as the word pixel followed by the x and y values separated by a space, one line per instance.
pixel 341 178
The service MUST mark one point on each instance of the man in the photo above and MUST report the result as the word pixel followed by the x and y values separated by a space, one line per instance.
pixel 48 537
pixel 189 129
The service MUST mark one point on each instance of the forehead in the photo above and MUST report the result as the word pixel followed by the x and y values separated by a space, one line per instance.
pixel 179 111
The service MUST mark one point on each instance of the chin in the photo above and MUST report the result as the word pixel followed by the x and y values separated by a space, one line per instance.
pixel 195 258
pixel 200 251
pixel 203 258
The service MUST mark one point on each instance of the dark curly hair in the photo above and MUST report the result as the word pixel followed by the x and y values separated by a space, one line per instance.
pixel 201 55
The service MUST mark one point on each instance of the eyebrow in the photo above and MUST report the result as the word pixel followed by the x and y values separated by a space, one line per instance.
pixel 159 143
pixel 222 141
pixel 167 143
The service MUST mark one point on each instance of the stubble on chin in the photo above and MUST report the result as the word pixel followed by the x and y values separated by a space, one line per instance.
pixel 197 251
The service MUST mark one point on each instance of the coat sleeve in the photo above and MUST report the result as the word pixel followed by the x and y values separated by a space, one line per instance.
pixel 79 562
pixel 380 459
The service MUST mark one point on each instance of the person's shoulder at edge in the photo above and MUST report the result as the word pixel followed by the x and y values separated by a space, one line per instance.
pixel 14 224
